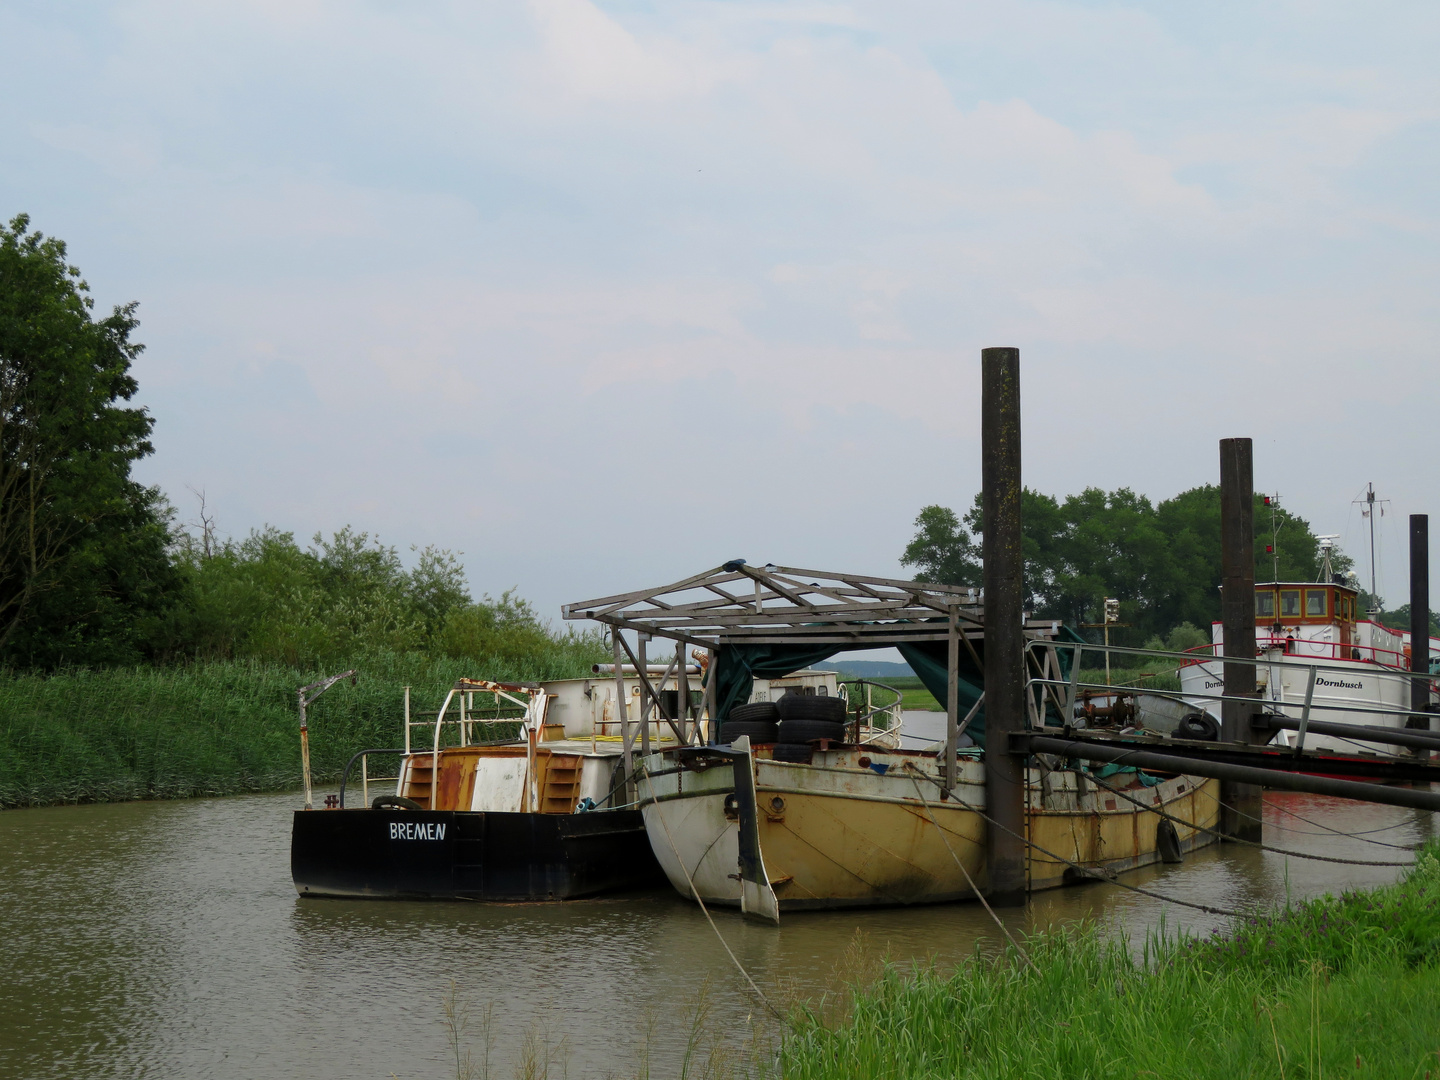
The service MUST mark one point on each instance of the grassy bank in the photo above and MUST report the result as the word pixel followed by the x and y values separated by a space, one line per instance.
pixel 1346 987
pixel 213 728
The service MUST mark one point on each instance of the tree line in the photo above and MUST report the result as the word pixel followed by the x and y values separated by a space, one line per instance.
pixel 1160 560
pixel 95 570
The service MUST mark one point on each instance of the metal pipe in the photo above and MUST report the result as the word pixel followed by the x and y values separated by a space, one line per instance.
pixel 1422 740
pixel 650 669
pixel 1004 622
pixel 1243 774
pixel 1237 612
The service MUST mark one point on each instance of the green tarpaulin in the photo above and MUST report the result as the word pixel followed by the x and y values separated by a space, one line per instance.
pixel 739 665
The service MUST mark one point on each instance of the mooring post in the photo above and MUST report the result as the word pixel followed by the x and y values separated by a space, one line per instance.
pixel 1004 622
pixel 1240 817
pixel 1420 617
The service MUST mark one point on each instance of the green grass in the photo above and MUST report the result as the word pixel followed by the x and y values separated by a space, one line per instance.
pixel 1346 987
pixel 915 694
pixel 214 728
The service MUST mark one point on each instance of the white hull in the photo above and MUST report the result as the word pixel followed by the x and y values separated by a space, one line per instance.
pixel 1346 692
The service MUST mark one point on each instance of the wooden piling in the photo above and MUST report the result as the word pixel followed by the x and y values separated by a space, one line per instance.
pixel 1241 816
pixel 1004 622
pixel 1420 616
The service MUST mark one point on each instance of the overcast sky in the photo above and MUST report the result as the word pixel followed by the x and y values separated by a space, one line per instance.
pixel 603 294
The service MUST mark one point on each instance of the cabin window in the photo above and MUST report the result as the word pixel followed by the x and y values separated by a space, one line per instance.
pixel 1265 604
pixel 1290 603
pixel 1315 606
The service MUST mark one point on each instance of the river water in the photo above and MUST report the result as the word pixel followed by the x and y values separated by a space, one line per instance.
pixel 164 939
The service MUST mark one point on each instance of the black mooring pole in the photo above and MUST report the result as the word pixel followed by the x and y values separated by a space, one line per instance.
pixel 1004 622
pixel 1241 815
pixel 1420 615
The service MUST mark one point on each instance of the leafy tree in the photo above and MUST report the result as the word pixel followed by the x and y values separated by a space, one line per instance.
pixel 265 597
pixel 1161 562
pixel 84 572
pixel 942 550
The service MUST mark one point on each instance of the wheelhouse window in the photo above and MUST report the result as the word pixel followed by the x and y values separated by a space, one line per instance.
pixel 1290 603
pixel 1265 603
pixel 1316 606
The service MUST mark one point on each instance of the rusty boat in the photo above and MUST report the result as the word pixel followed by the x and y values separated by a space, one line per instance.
pixel 499 799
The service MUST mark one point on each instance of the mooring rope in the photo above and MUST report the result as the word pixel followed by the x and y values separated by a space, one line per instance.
pixel 1361 835
pixel 1157 809
pixel 706 911
pixel 910 766
pixel 1096 874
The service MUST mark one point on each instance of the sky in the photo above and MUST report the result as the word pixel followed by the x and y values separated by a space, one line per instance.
pixel 605 294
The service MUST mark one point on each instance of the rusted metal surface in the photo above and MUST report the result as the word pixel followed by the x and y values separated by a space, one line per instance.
pixel 837 833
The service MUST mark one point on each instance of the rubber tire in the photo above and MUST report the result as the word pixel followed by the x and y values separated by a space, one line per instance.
pixel 394 802
pixel 757 712
pixel 805 707
pixel 1199 726
pixel 809 731
pixel 759 731
pixel 796 755
pixel 1167 842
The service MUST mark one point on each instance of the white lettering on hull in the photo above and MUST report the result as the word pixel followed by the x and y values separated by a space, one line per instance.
pixel 413 830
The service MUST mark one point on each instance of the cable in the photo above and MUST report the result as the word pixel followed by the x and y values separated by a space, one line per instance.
pixel 1094 873
pixel 706 911
pixel 1156 809
pixel 1338 832
pixel 910 767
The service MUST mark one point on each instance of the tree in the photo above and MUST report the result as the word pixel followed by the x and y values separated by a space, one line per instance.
pixel 83 564
pixel 1161 562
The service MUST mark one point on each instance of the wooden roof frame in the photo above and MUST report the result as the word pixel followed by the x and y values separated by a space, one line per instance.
pixel 786 605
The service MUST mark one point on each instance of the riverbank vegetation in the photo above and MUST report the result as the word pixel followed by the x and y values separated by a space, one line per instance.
pixel 1337 987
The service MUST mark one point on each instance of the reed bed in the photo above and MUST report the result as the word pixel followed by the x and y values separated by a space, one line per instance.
pixel 214 728
pixel 1337 987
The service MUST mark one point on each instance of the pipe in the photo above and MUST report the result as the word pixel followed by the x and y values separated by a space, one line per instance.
pixel 1421 740
pixel 1224 771
pixel 650 669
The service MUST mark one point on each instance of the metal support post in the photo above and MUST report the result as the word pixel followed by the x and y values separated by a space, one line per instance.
pixel 1241 816
pixel 622 715
pixel 952 705
pixel 1420 617
pixel 682 695
pixel 643 673
pixel 1004 622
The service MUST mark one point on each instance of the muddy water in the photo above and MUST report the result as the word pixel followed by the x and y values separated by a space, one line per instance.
pixel 165 940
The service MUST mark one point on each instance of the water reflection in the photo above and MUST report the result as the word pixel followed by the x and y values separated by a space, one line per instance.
pixel 165 940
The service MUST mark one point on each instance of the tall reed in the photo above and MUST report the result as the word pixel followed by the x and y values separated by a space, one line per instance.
pixel 214 728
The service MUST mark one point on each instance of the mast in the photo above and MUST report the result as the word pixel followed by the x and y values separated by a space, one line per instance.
pixel 1371 505
pixel 1370 513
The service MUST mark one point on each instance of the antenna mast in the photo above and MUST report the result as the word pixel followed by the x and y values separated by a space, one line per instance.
pixel 1370 504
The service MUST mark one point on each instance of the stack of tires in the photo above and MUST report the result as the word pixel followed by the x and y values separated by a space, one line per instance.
pixel 794 724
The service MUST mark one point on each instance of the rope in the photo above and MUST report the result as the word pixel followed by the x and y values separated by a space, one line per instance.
pixel 910 766
pixel 1096 874
pixel 1156 809
pixel 706 911
pixel 1338 832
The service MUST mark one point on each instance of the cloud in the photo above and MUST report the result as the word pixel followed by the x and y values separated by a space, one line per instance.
pixel 544 266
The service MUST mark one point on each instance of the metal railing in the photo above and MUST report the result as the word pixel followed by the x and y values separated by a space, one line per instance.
pixel 1046 687
pixel 891 715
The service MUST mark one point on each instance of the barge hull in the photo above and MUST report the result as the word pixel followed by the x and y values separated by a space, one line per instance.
pixel 397 854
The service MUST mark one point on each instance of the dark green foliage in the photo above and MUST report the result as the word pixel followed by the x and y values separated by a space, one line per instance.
pixel 220 727
pixel 83 568
pixel 1161 561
